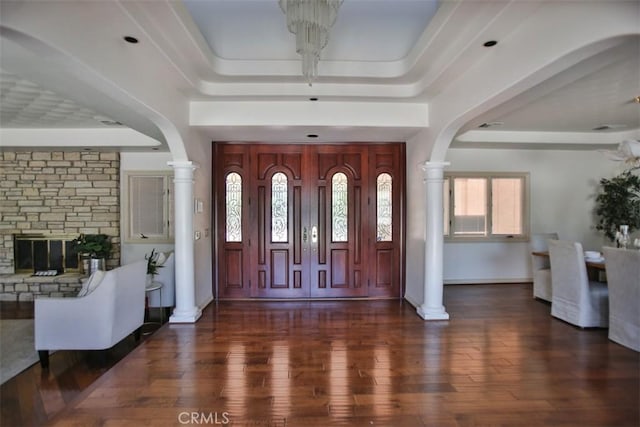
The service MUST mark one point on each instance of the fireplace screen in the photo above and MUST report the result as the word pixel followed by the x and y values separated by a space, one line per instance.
pixel 44 254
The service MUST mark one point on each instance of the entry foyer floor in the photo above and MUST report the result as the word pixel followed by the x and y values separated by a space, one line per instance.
pixel 501 360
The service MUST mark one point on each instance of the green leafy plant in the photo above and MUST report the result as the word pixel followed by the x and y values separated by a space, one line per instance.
pixel 618 203
pixel 152 262
pixel 94 245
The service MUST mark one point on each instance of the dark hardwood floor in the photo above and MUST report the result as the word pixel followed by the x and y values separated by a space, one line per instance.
pixel 16 310
pixel 32 397
pixel 500 360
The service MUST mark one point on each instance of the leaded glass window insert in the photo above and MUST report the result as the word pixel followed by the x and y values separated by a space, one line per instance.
pixel 234 207
pixel 339 208
pixel 279 208
pixel 384 208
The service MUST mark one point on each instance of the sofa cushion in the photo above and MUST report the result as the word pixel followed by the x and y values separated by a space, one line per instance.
pixel 91 283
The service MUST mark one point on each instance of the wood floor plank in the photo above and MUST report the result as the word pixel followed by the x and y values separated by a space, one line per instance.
pixel 500 360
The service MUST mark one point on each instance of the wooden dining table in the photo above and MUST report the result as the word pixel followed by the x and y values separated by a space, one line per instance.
pixel 596 265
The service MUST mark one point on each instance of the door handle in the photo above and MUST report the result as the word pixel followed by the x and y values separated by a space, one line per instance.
pixel 314 234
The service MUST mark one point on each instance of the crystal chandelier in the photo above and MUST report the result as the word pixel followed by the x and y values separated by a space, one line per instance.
pixel 310 21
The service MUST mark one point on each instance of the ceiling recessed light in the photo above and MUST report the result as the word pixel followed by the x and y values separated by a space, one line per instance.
pixel 490 43
pixel 130 39
pixel 312 135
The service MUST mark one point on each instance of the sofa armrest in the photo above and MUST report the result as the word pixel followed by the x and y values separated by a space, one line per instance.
pixel 75 323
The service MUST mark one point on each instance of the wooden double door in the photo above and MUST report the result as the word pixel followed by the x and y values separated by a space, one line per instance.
pixel 309 221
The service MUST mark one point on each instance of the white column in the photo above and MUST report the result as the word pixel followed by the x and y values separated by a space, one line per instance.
pixel 432 307
pixel 186 310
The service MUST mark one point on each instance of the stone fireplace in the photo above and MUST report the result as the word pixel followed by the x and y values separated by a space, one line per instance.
pixel 44 255
pixel 54 195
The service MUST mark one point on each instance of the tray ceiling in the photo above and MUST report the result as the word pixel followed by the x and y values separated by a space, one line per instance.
pixel 380 52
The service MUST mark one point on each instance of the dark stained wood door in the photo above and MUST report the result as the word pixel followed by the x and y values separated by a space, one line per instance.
pixel 309 221
pixel 385 235
pixel 231 169
pixel 338 221
pixel 278 209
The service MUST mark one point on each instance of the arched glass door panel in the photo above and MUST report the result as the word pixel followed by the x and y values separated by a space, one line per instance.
pixel 339 208
pixel 279 208
pixel 234 207
pixel 384 208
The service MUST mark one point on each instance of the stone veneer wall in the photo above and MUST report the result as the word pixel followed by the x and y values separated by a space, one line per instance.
pixel 58 193
pixel 24 287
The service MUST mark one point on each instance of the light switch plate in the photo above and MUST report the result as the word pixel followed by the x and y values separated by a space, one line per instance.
pixel 198 206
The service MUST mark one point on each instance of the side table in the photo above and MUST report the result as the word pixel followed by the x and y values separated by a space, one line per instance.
pixel 152 287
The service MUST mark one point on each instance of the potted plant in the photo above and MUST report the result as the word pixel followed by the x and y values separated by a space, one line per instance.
pixel 152 264
pixel 618 203
pixel 94 249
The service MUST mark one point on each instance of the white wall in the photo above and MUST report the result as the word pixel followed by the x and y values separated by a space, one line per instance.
pixel 141 162
pixel 201 220
pixel 563 185
pixel 200 151
pixel 418 149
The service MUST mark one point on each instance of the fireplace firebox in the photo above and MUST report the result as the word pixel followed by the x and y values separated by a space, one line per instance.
pixel 44 254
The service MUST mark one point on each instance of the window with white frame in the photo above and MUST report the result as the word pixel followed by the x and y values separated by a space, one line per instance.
pixel 148 213
pixel 486 206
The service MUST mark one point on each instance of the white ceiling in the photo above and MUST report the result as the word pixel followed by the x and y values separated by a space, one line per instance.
pixel 26 105
pixel 364 30
pixel 380 51
pixel 603 97
pixel 597 93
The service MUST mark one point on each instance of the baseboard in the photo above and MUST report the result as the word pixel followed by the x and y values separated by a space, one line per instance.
pixel 309 299
pixel 411 300
pixel 488 281
pixel 206 302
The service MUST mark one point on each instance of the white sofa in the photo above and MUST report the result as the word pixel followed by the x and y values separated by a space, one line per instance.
pixel 99 320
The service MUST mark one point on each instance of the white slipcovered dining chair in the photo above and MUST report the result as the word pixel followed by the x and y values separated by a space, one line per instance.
pixel 541 266
pixel 623 276
pixel 576 299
